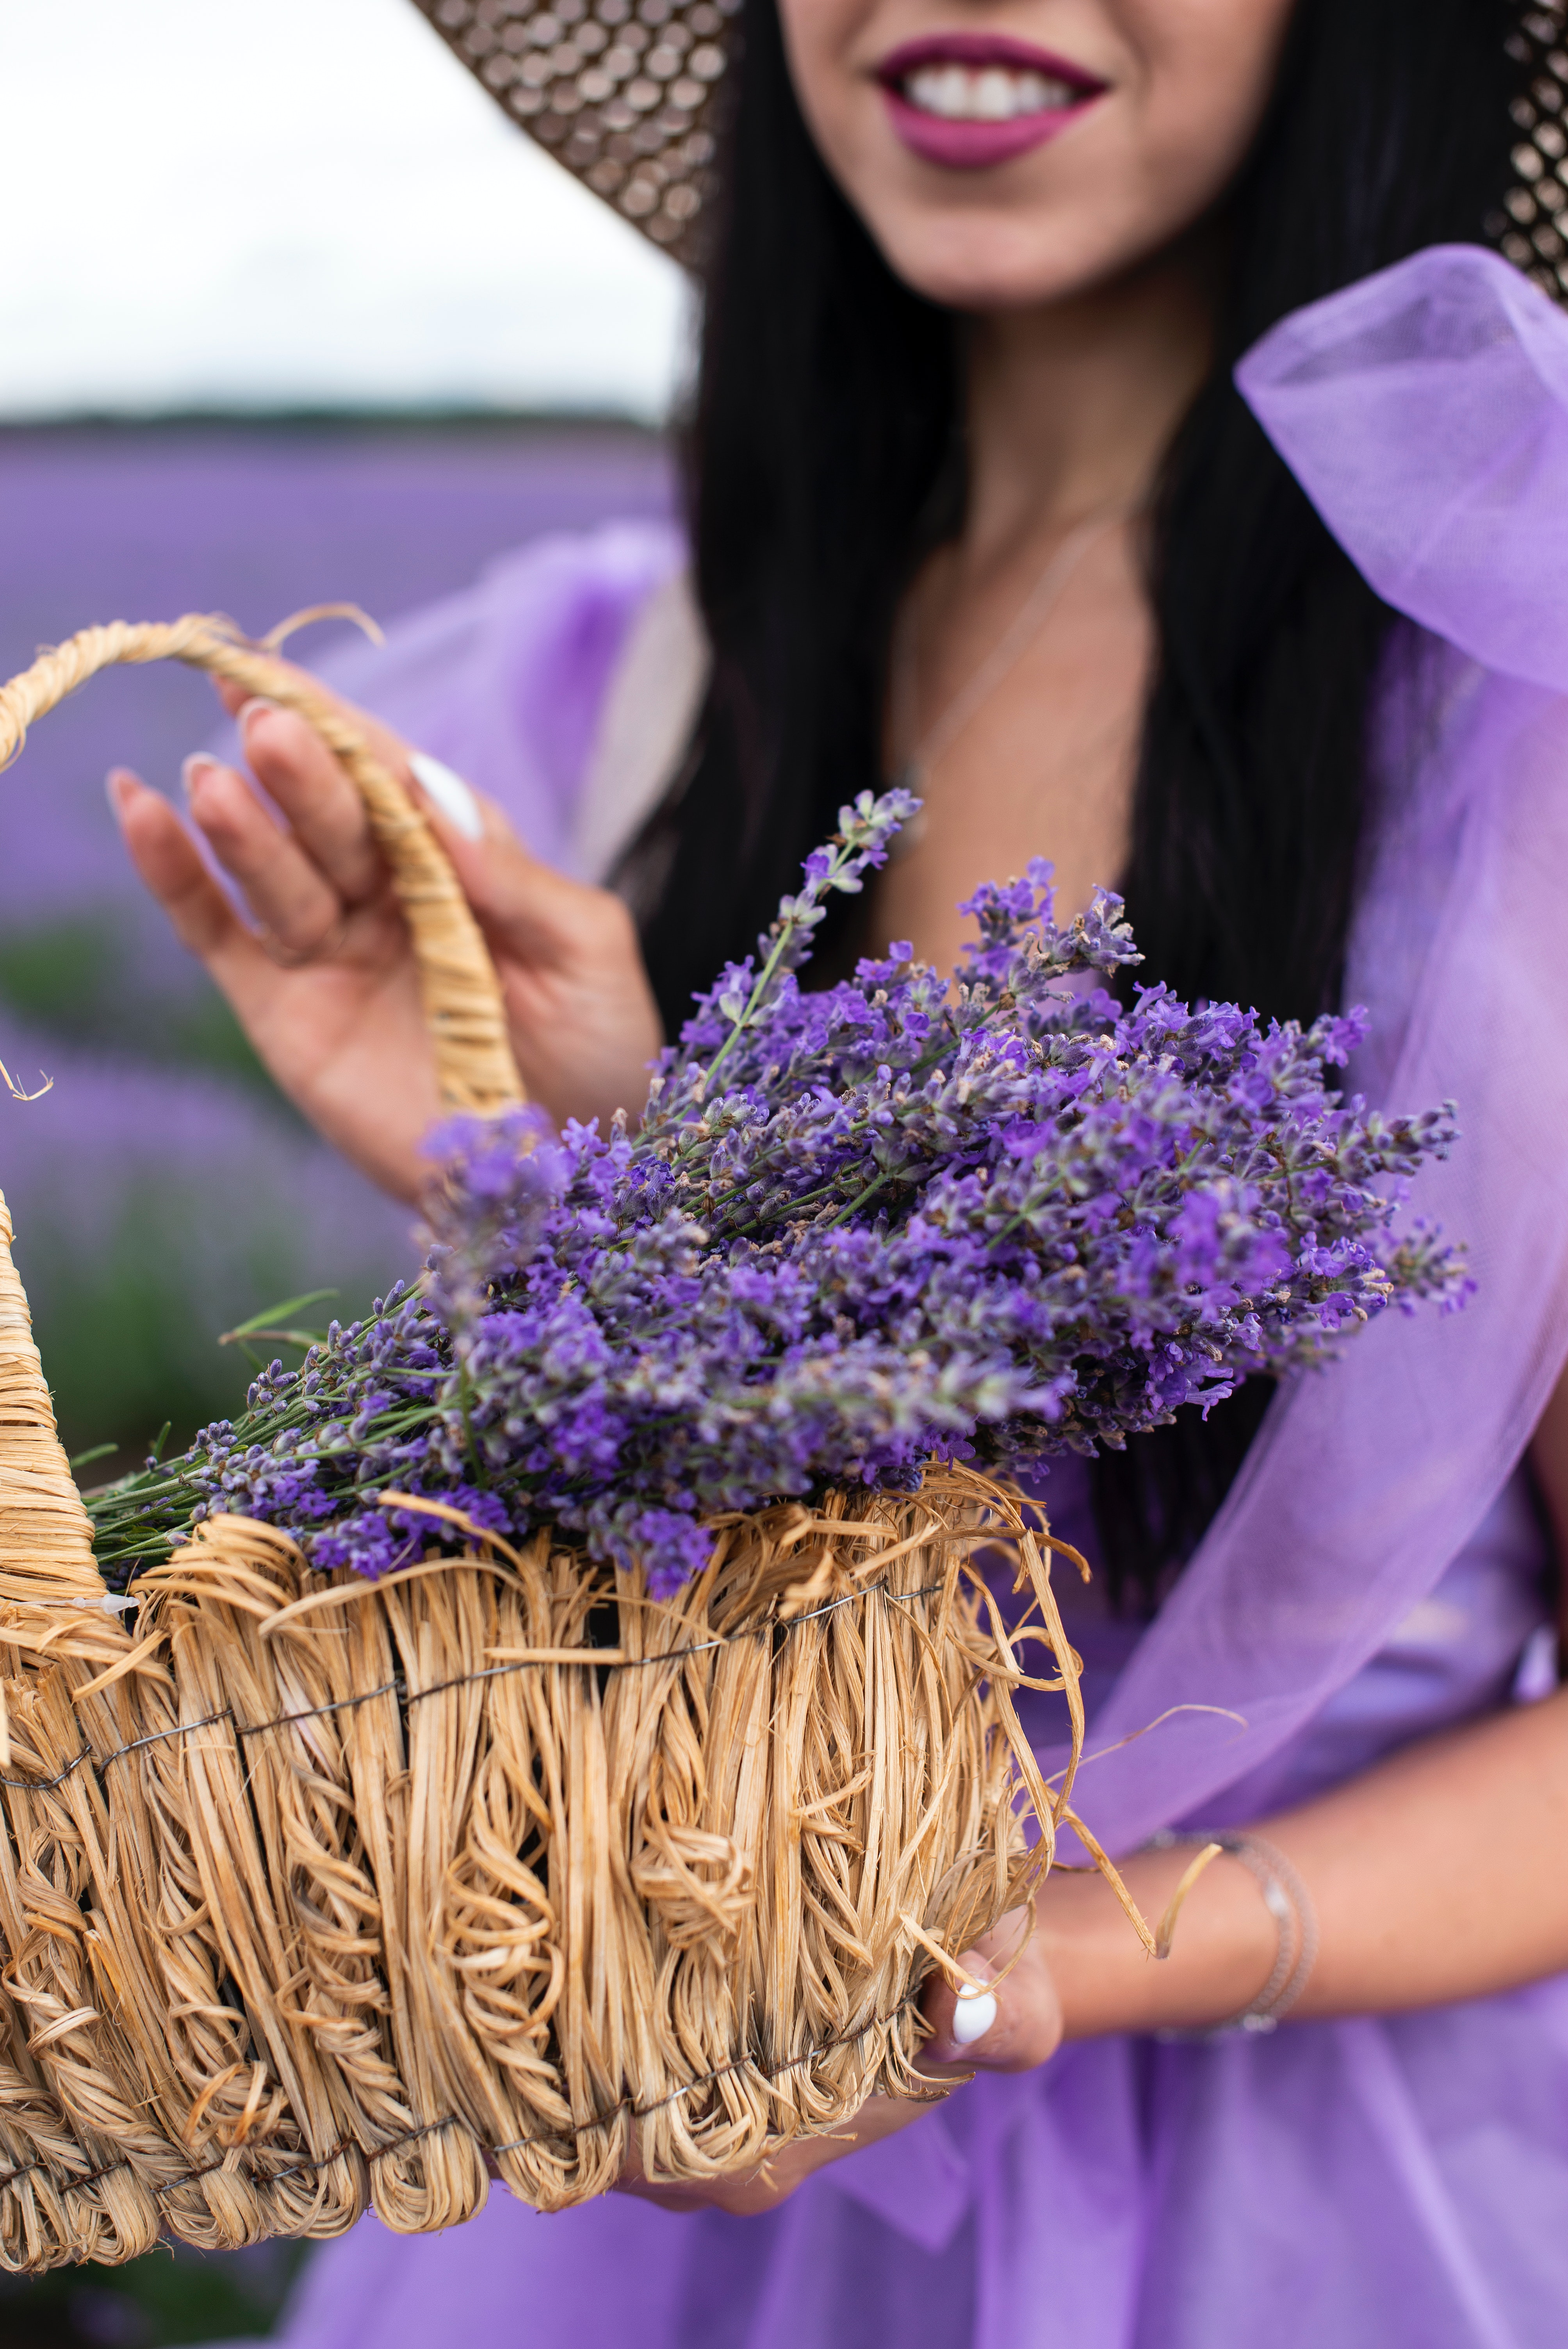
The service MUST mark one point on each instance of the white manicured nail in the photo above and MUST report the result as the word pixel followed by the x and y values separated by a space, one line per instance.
pixel 972 2016
pixel 451 795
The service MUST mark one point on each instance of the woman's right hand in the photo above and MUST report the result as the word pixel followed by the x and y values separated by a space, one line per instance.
pixel 323 979
pixel 1018 2027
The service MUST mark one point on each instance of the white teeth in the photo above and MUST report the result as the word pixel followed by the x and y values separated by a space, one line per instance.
pixel 994 92
pixel 984 93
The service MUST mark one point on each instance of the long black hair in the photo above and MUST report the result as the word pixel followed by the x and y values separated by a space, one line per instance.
pixel 825 457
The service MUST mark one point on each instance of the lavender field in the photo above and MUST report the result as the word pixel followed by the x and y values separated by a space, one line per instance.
pixel 161 1190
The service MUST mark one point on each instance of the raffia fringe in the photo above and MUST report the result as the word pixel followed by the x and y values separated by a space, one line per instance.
pixel 312 1908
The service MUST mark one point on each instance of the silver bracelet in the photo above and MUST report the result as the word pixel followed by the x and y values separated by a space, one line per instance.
pixel 1289 1903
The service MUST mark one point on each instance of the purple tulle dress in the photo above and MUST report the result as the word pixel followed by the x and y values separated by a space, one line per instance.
pixel 1377 1571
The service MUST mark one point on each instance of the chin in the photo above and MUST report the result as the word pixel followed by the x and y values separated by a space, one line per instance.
pixel 989 259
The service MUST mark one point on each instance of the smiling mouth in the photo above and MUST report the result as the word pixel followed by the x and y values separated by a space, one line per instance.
pixel 967 100
pixel 986 93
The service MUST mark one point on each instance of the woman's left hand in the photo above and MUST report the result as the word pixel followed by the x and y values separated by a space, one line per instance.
pixel 1026 2031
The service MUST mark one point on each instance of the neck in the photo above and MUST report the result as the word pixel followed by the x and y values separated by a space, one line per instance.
pixel 1072 407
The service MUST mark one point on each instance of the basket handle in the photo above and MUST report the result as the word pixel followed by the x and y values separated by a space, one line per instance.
pixel 461 995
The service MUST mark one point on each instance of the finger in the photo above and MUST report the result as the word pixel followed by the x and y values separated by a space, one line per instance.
pixel 313 790
pixel 312 793
pixel 746 2193
pixel 388 746
pixel 529 907
pixel 289 895
pixel 167 860
pixel 445 794
pixel 1013 2023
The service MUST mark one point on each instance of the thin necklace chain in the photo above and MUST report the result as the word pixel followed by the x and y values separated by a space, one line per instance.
pixel 1025 627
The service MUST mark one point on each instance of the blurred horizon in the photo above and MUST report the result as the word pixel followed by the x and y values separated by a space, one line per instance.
pixel 330 416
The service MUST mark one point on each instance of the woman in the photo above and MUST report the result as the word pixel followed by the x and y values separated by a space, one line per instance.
pixel 974 491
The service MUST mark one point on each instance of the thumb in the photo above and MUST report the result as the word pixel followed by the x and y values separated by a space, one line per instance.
pixel 528 911
pixel 1011 2022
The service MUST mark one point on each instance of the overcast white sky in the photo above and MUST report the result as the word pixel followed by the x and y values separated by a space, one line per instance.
pixel 251 202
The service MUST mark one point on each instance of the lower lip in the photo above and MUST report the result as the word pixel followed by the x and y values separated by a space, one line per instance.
pixel 975 146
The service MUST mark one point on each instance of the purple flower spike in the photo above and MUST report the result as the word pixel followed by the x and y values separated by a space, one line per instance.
pixel 857 1230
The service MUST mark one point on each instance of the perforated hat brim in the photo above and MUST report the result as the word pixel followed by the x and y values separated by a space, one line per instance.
pixel 622 92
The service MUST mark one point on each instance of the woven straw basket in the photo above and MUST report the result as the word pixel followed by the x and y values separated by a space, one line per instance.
pixel 318 1894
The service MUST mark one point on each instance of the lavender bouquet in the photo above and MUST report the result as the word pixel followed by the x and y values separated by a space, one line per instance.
pixel 855 1229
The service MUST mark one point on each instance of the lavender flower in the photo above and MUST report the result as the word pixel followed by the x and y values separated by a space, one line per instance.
pixel 856 1229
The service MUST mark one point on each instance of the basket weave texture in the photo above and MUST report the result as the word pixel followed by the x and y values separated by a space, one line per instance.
pixel 318 1894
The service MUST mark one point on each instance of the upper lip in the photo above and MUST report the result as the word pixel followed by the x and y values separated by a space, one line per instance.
pixel 982 49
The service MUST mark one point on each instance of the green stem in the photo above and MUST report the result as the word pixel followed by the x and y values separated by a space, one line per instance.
pixel 869 1192
pixel 787 932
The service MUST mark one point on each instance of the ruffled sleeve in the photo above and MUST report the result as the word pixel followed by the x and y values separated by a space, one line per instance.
pixel 1425 412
